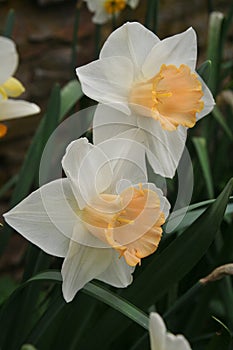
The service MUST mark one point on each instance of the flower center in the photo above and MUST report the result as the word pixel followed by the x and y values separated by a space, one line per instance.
pixel 114 6
pixel 173 96
pixel 11 88
pixel 130 222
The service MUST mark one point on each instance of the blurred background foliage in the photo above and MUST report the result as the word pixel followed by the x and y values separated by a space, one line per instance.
pixel 52 39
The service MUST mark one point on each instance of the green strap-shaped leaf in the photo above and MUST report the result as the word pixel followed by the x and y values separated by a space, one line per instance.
pixel 70 94
pixel 219 117
pixel 9 24
pixel 200 145
pixel 215 48
pixel 104 295
pixel 100 293
pixel 204 70
pixel 118 303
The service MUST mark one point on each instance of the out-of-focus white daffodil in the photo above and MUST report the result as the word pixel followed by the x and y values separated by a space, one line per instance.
pixel 96 218
pixel 160 339
pixel 11 87
pixel 154 83
pixel 105 9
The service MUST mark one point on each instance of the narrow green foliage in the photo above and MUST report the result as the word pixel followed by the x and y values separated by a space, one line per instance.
pixel 7 286
pixel 204 70
pixel 202 152
pixel 117 303
pixel 97 40
pixel 70 94
pixel 221 120
pixel 8 185
pixel 57 303
pixel 75 41
pixel 28 347
pixel 151 20
pixel 215 48
pixel 228 21
pixel 9 25
pixel 104 295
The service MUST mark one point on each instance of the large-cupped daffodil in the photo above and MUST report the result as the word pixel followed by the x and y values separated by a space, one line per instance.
pixel 153 86
pixel 11 87
pixel 103 218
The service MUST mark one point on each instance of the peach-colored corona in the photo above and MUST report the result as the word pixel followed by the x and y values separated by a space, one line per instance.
pixel 130 222
pixel 172 96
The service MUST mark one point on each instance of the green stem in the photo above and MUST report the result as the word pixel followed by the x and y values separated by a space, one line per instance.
pixel 75 41
pixel 9 25
pixel 151 19
pixel 97 40
pixel 215 48
pixel 8 185
pixel 114 24
pixel 185 299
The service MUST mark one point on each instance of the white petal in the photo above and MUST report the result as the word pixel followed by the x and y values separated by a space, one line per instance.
pixel 164 204
pixel 127 159
pixel 109 122
pixel 164 148
pixel 207 99
pixel 120 139
pixel 92 5
pixel 82 236
pixel 177 49
pixel 101 16
pixel 45 218
pixel 81 265
pixel 88 170
pixel 11 109
pixel 108 80
pixel 157 332
pixel 176 342
pixel 133 41
pixel 118 274
pixel 133 3
pixel 8 58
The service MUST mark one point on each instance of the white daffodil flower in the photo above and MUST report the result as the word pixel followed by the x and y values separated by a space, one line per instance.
pixel 160 339
pixel 11 87
pixel 154 84
pixel 105 9
pixel 103 218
